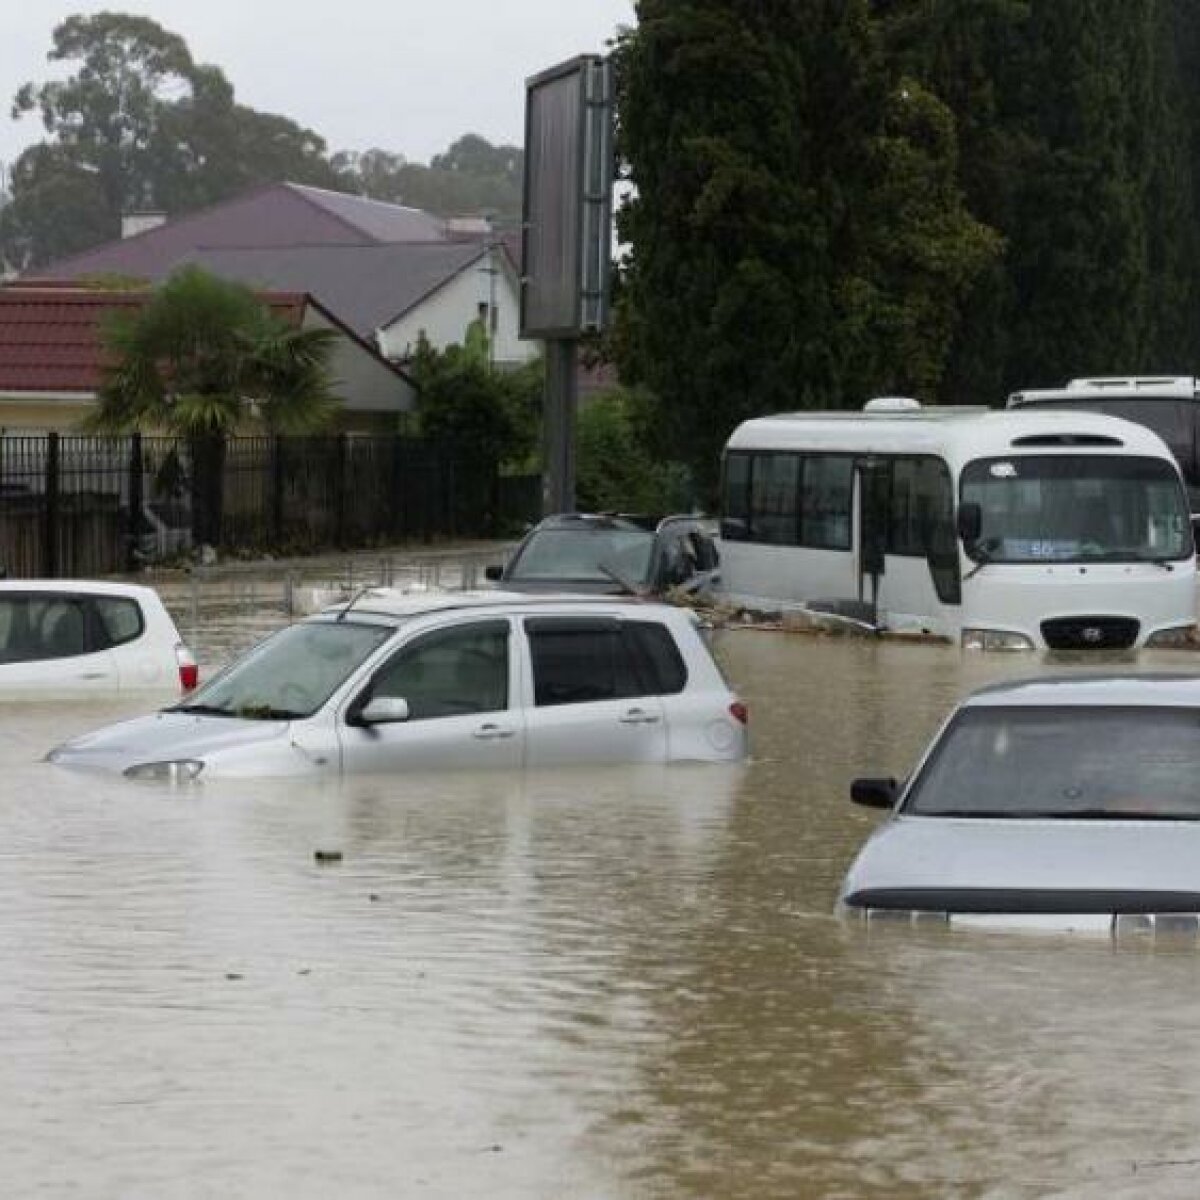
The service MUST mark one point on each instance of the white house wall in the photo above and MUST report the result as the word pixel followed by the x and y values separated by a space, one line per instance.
pixel 445 314
pixel 364 383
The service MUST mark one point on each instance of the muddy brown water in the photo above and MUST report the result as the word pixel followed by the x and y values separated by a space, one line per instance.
pixel 592 983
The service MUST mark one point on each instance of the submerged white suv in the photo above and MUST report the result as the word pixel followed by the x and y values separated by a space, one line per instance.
pixel 394 682
pixel 77 638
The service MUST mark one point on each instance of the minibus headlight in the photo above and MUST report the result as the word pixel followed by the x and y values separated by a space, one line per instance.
pixel 995 639
pixel 178 770
pixel 1177 636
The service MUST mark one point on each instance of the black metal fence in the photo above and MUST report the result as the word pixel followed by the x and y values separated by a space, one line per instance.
pixel 77 506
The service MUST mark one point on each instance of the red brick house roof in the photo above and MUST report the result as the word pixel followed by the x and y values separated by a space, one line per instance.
pixel 50 337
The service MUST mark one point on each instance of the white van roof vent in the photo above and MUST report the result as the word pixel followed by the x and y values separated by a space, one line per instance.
pixel 892 404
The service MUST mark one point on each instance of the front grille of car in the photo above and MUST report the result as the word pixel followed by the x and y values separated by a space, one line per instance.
pixel 1090 633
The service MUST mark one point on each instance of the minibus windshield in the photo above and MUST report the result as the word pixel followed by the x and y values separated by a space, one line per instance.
pixel 1077 508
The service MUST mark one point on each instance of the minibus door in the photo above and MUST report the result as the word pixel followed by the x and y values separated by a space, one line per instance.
pixel 874 491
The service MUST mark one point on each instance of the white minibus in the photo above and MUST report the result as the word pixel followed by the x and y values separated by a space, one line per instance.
pixel 1003 529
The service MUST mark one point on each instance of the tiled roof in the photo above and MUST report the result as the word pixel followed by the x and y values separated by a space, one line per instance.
pixel 50 338
pixel 276 215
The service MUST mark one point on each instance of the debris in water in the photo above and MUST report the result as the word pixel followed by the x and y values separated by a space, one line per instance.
pixel 327 856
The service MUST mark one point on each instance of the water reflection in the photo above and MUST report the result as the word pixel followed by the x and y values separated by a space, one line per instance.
pixel 600 983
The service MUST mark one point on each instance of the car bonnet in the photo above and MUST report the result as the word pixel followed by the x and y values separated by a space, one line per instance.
pixel 164 736
pixel 981 864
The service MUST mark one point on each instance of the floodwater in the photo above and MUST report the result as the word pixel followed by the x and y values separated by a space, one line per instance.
pixel 602 983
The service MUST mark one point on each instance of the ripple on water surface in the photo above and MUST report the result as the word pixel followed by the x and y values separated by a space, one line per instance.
pixel 620 982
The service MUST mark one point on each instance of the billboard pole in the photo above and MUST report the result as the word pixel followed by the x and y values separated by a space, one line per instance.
pixel 562 397
pixel 566 242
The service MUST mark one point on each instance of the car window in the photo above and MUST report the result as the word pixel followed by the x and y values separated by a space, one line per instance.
pixel 41 627
pixel 1090 761
pixel 656 657
pixel 293 672
pixel 120 619
pixel 450 672
pixel 584 554
pixel 577 661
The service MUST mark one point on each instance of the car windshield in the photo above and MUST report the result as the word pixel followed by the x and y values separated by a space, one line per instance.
pixel 583 554
pixel 1085 762
pixel 291 674
pixel 1078 508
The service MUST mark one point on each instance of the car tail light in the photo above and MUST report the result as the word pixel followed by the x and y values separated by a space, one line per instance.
pixel 189 672
pixel 739 712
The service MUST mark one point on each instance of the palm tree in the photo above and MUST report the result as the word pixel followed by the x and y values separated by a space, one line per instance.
pixel 202 358
pixel 205 355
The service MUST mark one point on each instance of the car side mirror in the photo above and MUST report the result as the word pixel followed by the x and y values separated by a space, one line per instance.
pixel 874 793
pixel 493 572
pixel 383 710
pixel 969 522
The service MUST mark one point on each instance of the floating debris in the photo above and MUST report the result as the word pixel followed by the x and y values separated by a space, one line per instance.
pixel 325 857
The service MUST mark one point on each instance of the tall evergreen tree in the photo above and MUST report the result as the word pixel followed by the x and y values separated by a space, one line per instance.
pixel 1074 141
pixel 797 235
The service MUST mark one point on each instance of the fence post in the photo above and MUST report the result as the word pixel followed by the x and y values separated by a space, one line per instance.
pixel 277 489
pixel 397 522
pixel 50 530
pixel 133 536
pixel 339 495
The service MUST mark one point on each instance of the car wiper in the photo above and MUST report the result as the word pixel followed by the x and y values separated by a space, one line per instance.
pixel 265 712
pixel 983 556
pixel 206 710
pixel 624 581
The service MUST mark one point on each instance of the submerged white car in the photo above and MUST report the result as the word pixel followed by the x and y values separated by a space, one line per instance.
pixel 1070 804
pixel 77 638
pixel 395 682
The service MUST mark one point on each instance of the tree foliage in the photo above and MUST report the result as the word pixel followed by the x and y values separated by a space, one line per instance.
pixel 137 124
pixel 471 177
pixel 205 355
pixel 484 414
pixel 616 469
pixel 798 235
pixel 1078 141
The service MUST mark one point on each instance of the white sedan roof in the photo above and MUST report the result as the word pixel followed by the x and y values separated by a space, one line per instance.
pixel 1083 690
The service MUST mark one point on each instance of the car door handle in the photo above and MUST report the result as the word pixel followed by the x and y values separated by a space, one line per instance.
pixel 638 716
pixel 491 733
pixel 93 675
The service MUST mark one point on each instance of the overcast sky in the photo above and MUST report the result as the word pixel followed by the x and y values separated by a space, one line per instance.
pixel 404 76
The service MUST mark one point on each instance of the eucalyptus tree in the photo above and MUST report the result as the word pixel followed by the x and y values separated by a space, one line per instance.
pixel 136 123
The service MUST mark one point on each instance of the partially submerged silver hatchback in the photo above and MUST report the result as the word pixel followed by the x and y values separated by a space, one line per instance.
pixel 1067 804
pixel 399 682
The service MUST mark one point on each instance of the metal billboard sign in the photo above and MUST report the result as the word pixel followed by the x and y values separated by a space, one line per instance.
pixel 566 230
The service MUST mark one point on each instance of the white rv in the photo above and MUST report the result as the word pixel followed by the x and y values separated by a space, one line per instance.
pixel 1002 529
